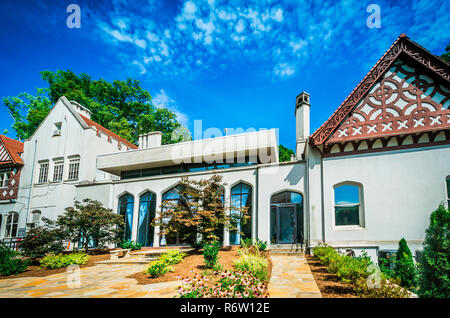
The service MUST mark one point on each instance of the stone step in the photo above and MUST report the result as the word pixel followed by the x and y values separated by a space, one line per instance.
pixel 287 253
pixel 157 252
pixel 129 260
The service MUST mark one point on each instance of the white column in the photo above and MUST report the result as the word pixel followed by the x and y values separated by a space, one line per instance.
pixel 157 213
pixel 134 228
pixel 226 232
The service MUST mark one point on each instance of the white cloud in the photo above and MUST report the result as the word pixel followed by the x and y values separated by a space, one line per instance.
pixel 283 70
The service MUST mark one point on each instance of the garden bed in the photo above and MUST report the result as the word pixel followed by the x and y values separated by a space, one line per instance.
pixel 37 271
pixel 329 284
pixel 192 262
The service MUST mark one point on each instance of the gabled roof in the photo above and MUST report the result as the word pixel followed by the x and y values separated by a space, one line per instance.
pixel 108 132
pixel 403 45
pixel 10 150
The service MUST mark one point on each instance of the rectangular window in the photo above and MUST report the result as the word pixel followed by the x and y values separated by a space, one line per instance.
pixel 4 179
pixel 74 168
pixel 58 170
pixel 43 172
pixel 346 205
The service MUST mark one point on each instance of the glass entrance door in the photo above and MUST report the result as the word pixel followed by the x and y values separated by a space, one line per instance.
pixel 287 224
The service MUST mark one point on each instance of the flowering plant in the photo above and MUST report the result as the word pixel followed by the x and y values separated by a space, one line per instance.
pixel 228 285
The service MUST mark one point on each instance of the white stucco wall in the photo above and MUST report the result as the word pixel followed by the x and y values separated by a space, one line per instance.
pixel 400 190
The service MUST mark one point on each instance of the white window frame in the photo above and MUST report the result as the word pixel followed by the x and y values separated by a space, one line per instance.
pixel 58 170
pixel 10 223
pixel 74 168
pixel 5 179
pixel 41 177
pixel 360 205
pixel 33 217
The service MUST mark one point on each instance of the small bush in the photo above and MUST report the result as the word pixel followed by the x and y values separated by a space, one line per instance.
pixel 42 240
pixel 172 257
pixel 162 266
pixel 158 268
pixel 256 265
pixel 261 245
pixel 404 269
pixel 210 253
pixel 386 289
pixel 10 264
pixel 130 245
pixel 53 261
pixel 246 242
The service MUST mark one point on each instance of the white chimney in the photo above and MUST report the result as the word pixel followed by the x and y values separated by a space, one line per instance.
pixel 81 109
pixel 302 122
pixel 150 140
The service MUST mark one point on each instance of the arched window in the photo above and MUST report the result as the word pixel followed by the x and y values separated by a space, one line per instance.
pixel 286 218
pixel 172 196
pixel 241 197
pixel 347 204
pixel 12 222
pixel 147 209
pixel 126 203
pixel 36 218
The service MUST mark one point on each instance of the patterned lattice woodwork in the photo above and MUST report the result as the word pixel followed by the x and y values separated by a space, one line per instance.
pixel 404 101
pixel 402 47
pixel 11 191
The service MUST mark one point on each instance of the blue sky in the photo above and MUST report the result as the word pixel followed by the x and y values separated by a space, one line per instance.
pixel 228 63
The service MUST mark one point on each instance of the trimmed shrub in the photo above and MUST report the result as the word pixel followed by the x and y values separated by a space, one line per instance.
pixel 386 289
pixel 53 261
pixel 158 268
pixel 130 245
pixel 404 269
pixel 162 266
pixel 10 263
pixel 210 253
pixel 435 267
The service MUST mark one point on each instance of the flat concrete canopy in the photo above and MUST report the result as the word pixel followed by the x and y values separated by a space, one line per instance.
pixel 258 147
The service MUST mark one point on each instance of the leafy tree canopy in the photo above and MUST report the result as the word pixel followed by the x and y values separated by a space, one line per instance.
pixel 446 55
pixel 123 107
pixel 284 153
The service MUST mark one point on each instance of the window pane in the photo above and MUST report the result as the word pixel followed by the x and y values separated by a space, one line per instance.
pixel 346 194
pixel 448 188
pixel 347 215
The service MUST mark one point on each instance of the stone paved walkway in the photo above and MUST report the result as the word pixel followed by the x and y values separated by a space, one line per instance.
pixel 95 281
pixel 292 278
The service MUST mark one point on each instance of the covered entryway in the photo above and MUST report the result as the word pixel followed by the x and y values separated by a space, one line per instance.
pixel 286 218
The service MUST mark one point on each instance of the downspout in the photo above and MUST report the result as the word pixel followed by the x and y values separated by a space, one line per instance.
pixel 31 182
pixel 308 205
pixel 321 198
pixel 257 202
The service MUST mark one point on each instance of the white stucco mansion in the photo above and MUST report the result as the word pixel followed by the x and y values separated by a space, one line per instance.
pixel 370 175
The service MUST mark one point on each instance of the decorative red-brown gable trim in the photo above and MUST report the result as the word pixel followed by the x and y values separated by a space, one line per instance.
pixel 402 45
pixel 108 132
pixel 14 148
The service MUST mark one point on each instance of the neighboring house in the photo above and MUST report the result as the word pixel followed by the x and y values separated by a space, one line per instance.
pixel 370 175
pixel 11 165
pixel 60 154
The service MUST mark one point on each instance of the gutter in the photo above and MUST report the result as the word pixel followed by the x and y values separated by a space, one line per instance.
pixel 31 183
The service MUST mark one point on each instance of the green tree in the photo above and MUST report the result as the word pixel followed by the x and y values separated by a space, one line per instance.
pixel 28 111
pixel 435 268
pixel 405 269
pixel 43 239
pixel 284 153
pixel 124 107
pixel 446 56
pixel 89 220
pixel 201 213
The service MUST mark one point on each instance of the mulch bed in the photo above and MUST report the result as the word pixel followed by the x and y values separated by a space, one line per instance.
pixel 37 271
pixel 194 262
pixel 329 284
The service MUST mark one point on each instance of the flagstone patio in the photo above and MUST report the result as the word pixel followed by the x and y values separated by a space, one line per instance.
pixel 96 281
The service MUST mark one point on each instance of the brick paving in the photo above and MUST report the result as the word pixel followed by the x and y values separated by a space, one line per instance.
pixel 292 278
pixel 104 281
